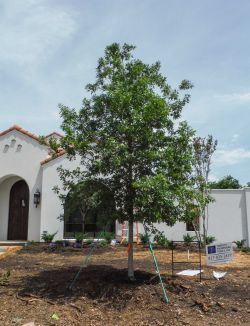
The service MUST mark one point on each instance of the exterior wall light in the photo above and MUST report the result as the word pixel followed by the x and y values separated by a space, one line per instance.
pixel 37 196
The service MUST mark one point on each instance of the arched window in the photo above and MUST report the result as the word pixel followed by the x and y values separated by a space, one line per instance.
pixel 89 208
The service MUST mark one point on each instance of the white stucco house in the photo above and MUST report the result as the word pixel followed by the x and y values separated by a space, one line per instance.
pixel 29 206
pixel 28 172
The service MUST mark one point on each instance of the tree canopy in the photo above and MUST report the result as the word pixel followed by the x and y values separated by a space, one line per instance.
pixel 227 182
pixel 130 136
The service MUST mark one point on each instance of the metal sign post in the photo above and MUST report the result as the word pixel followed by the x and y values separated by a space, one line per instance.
pixel 198 262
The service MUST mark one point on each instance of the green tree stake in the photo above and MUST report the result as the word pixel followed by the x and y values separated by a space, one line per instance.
pixel 166 298
pixel 86 260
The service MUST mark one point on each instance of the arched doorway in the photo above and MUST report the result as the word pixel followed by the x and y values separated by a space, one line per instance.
pixel 18 211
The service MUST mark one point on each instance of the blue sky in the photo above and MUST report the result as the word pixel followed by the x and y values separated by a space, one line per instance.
pixel 49 51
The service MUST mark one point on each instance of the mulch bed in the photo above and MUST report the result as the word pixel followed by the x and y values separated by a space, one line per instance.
pixel 38 288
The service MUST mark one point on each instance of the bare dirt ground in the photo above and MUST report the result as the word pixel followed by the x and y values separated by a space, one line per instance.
pixel 38 284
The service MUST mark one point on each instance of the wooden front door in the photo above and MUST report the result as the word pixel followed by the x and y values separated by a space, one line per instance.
pixel 18 211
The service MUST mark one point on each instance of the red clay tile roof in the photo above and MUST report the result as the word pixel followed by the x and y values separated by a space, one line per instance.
pixel 59 153
pixel 20 129
pixel 53 133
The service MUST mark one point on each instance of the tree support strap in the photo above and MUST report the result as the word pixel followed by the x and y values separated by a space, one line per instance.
pixel 167 300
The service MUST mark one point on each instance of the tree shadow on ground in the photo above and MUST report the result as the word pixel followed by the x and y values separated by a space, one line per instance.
pixel 100 283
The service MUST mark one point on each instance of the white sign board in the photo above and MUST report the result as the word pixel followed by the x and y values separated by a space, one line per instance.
pixel 219 253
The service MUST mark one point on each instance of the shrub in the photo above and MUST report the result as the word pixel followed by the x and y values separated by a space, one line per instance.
pixel 29 243
pixel 63 243
pixel 209 239
pixel 80 236
pixel 108 236
pixel 161 240
pixel 240 243
pixel 88 241
pixel 47 237
pixel 188 239
pixel 102 243
pixel 246 250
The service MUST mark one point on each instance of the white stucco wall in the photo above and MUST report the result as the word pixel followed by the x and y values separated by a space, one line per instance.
pixel 172 233
pixel 246 222
pixel 21 159
pixel 226 216
pixel 51 205
pixel 175 232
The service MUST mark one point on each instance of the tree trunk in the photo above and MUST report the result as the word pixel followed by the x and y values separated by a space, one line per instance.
pixel 131 275
pixel 197 233
pixel 83 220
pixel 204 228
pixel 203 216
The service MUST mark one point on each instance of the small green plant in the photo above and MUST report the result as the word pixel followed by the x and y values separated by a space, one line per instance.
pixel 47 237
pixel 62 243
pixel 55 317
pixel 79 238
pixel 161 240
pixel 143 238
pixel 29 243
pixel 108 236
pixel 102 243
pixel 188 239
pixel 240 243
pixel 209 239
pixel 88 241
pixel 4 278
pixel 246 250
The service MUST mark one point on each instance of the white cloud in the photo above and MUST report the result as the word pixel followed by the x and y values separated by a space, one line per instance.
pixel 235 137
pixel 213 178
pixel 234 97
pixel 231 156
pixel 31 31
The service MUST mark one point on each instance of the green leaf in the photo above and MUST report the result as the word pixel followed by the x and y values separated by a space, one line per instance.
pixel 55 317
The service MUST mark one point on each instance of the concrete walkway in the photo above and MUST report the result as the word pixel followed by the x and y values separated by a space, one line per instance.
pixel 10 243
